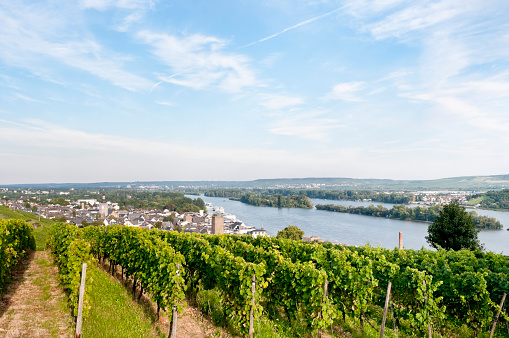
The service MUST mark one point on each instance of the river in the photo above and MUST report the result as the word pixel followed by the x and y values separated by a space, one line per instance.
pixel 352 229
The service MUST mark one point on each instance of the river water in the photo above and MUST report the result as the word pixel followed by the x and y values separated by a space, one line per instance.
pixel 353 229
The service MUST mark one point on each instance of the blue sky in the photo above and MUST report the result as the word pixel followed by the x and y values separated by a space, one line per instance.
pixel 125 90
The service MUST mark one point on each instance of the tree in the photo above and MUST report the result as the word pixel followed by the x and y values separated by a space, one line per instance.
pixel 158 225
pixel 454 229
pixel 291 232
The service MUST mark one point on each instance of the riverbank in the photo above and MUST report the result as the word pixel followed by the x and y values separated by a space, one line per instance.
pixel 354 230
pixel 401 212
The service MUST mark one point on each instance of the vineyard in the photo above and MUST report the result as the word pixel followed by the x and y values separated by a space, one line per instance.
pixel 309 287
pixel 16 238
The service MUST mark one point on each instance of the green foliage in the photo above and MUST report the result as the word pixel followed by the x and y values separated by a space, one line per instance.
pixel 263 198
pixel 59 201
pixel 212 267
pixel 209 301
pixel 145 258
pixel 291 232
pixel 16 237
pixel 453 229
pixel 292 201
pixel 425 214
pixel 59 219
pixel 441 288
pixel 493 199
pixel 70 252
pixel 173 201
pixel 343 195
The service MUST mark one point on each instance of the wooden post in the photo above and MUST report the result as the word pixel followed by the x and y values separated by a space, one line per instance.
pixel 425 304
pixel 174 315
pixel 79 321
pixel 253 304
pixel 387 297
pixel 325 294
pixel 498 314
pixel 173 327
pixel 400 240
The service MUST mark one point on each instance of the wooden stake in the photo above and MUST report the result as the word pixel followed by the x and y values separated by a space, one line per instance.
pixel 387 297
pixel 173 327
pixel 253 304
pixel 174 315
pixel 79 321
pixel 498 314
pixel 325 293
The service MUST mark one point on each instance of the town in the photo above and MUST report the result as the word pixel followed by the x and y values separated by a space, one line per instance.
pixel 86 212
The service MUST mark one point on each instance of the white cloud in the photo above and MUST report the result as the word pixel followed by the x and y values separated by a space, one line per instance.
pixel 128 21
pixel 346 92
pixel 271 101
pixel 309 126
pixel 416 17
pixel 165 103
pixel 102 5
pixel 40 134
pixel 26 98
pixel 200 61
pixel 28 36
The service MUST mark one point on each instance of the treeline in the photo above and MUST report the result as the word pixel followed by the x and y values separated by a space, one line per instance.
pixel 173 201
pixel 226 193
pixel 494 199
pixel 278 201
pixel 340 195
pixel 350 195
pixel 409 214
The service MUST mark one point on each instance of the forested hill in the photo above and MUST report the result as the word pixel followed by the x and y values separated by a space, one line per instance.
pixel 492 199
pixel 478 183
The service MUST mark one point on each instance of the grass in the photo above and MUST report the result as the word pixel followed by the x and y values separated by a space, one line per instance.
pixel 113 312
pixel 476 200
pixel 42 226
pixel 41 235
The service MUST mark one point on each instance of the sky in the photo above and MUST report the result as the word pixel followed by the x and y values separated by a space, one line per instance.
pixel 145 90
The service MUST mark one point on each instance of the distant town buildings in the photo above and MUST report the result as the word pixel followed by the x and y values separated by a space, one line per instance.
pixel 92 212
pixel 217 225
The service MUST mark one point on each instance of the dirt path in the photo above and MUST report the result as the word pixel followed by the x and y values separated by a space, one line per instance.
pixel 35 305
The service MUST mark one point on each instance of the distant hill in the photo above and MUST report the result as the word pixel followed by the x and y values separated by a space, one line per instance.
pixel 476 183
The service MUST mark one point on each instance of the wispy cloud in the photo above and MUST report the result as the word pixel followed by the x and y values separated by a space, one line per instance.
pixel 125 4
pixel 461 49
pixel 346 92
pixel 26 98
pixel 128 21
pixel 305 22
pixel 165 103
pixel 200 61
pixel 271 101
pixel 28 36
pixel 311 125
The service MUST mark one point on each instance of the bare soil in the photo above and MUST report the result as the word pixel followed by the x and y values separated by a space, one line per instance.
pixel 34 304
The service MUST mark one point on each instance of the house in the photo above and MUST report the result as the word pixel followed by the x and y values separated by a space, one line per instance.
pixel 258 232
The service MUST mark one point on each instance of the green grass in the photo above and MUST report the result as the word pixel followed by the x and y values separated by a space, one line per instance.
pixel 41 233
pixel 476 200
pixel 113 313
